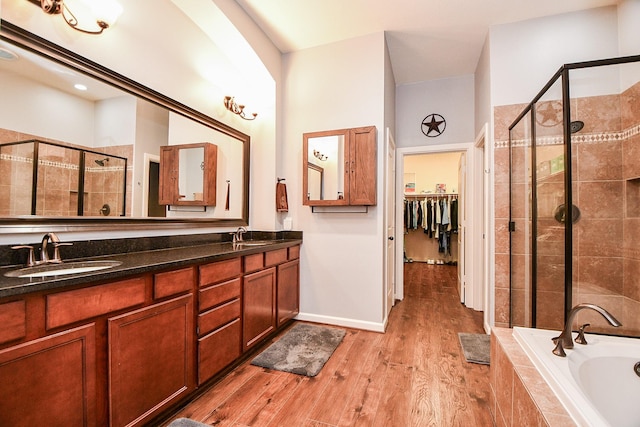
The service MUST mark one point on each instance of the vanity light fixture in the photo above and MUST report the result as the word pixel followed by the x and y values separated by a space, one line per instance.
pixel 230 104
pixel 319 155
pixel 105 13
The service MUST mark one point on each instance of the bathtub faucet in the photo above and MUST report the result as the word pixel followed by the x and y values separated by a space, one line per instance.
pixel 565 340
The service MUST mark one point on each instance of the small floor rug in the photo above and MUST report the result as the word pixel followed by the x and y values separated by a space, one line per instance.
pixel 186 422
pixel 302 350
pixel 476 347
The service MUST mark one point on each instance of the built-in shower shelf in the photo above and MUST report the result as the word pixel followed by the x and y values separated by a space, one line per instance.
pixel 632 197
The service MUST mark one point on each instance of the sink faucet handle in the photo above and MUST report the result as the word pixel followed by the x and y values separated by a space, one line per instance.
pixel 30 257
pixel 56 251
pixel 580 339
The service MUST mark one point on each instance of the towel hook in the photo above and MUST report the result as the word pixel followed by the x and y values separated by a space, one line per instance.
pixel 280 179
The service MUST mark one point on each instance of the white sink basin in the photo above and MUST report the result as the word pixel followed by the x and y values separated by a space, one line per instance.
pixel 65 268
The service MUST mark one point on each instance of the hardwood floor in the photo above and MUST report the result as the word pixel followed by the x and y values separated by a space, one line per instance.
pixel 413 375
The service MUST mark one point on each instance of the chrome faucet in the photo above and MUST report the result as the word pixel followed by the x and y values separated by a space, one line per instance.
pixel 237 236
pixel 565 339
pixel 44 251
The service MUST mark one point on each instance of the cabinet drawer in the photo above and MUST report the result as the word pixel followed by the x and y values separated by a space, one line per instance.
pixel 217 350
pixel 253 262
pixel 294 252
pixel 276 257
pixel 216 317
pixel 172 282
pixel 13 321
pixel 220 271
pixel 72 306
pixel 217 294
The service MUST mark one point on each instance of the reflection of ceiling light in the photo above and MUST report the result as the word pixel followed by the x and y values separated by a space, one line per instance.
pixel 79 86
pixel 319 155
pixel 7 55
pixel 230 104
pixel 104 13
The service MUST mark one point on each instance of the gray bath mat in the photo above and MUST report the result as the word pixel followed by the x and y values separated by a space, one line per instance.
pixel 303 350
pixel 186 422
pixel 476 347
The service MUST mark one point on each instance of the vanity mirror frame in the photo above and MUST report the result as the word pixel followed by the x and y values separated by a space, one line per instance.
pixel 29 41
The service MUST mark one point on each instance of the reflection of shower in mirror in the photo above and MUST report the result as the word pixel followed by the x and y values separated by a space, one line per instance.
pixel 102 162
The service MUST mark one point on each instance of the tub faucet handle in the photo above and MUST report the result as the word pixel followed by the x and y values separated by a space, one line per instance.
pixel 559 349
pixel 580 339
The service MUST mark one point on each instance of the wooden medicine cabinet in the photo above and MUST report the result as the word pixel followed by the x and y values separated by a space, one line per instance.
pixel 339 167
pixel 188 174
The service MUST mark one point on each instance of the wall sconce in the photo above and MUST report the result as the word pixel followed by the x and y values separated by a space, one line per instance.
pixel 319 155
pixel 105 13
pixel 230 104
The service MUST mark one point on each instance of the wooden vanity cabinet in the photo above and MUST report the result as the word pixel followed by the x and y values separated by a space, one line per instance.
pixel 150 360
pixel 121 353
pixel 288 287
pixel 50 380
pixel 259 306
pixel 219 316
pixel 270 293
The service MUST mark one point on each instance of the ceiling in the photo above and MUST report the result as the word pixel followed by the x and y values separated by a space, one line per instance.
pixel 427 39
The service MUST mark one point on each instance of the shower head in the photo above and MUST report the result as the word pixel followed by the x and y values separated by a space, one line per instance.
pixel 102 162
pixel 576 126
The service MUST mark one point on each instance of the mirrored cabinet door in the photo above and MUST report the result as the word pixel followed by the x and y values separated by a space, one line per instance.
pixel 339 167
pixel 188 174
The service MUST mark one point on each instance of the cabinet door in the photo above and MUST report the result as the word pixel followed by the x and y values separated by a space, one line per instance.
pixel 259 305
pixel 50 381
pixel 362 169
pixel 288 291
pixel 168 184
pixel 151 360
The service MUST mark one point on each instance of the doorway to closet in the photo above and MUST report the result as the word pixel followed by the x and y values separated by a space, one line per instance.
pixel 433 229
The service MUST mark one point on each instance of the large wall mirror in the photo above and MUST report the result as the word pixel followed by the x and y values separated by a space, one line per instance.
pixel 116 122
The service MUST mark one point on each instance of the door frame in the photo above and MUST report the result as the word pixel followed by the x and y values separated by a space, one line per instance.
pixel 390 144
pixel 474 228
pixel 148 158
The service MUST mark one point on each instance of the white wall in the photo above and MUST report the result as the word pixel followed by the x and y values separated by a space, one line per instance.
pixel 340 85
pixel 72 118
pixel 452 98
pixel 525 55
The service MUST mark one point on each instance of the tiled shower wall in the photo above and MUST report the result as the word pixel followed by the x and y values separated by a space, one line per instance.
pixel 606 188
pixel 57 194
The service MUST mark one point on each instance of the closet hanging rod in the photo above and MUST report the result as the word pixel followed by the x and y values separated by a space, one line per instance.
pixel 431 195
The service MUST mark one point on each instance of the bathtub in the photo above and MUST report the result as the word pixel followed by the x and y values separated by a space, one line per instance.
pixel 596 383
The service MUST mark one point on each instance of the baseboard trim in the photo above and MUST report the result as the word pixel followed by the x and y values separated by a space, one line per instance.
pixel 341 321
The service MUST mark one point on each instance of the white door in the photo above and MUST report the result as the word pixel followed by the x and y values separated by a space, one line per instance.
pixel 390 220
pixel 462 225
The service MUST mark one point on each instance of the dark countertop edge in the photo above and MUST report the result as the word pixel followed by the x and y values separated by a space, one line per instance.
pixel 134 264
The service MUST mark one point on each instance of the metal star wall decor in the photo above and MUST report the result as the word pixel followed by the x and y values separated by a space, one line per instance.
pixel 433 125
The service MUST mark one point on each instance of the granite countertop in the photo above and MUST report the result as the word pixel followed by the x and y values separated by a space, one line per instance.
pixel 134 263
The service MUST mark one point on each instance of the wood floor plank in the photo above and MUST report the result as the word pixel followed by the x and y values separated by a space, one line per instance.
pixel 271 401
pixel 241 400
pixel 412 375
pixel 394 407
pixel 342 383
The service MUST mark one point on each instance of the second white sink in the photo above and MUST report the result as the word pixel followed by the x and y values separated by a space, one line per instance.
pixel 65 268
